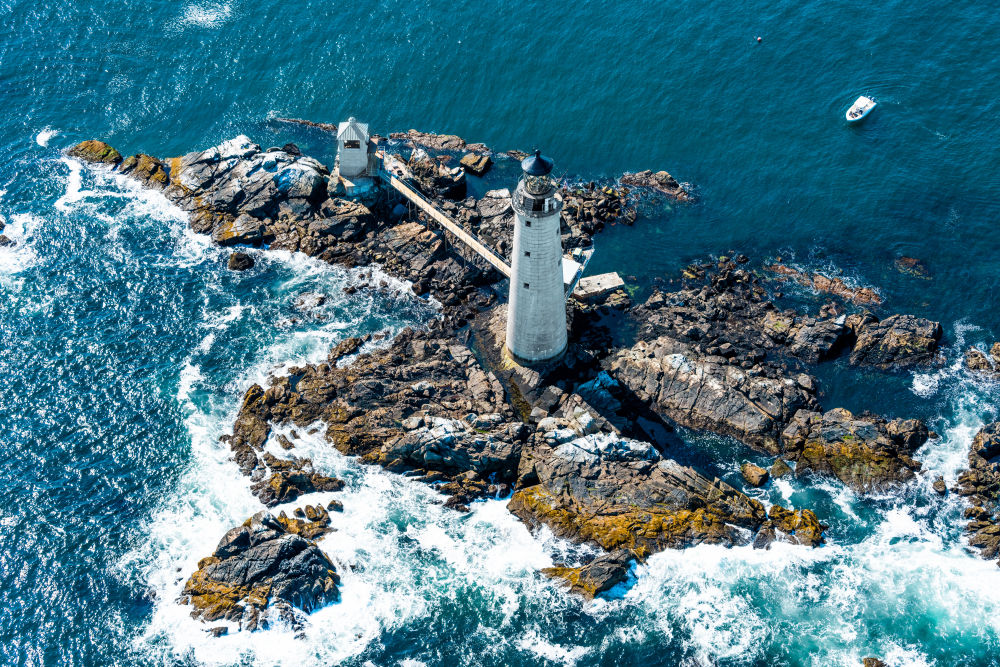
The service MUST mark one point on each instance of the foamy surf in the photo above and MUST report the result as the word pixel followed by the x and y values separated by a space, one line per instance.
pixel 205 14
pixel 45 136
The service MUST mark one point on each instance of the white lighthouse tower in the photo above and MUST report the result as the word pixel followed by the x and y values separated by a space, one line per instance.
pixel 536 311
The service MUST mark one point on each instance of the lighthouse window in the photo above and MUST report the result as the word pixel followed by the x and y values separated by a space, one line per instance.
pixel 527 253
pixel 527 223
pixel 525 285
pixel 352 143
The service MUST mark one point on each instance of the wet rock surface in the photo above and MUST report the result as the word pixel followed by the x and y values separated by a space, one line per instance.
pixel 423 404
pixel 895 342
pixel 620 493
pixel 600 575
pixel 980 485
pixel 867 453
pixel 822 283
pixel 240 261
pixel 660 181
pixel 259 564
pixel 986 364
pixel 711 357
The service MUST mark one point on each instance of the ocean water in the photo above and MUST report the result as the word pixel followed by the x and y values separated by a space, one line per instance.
pixel 125 344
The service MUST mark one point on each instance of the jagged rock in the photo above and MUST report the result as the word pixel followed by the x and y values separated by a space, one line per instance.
pixel 435 179
pixel 496 220
pixel 446 142
pixel 867 453
pixel 476 164
pixel 423 403
pixel 311 522
pixel 240 261
pixel 895 342
pixel 146 169
pixel 939 486
pixel 474 443
pixel 95 151
pixel 6 241
pixel 980 484
pixel 978 361
pixel 244 230
pixel 821 283
pixel 801 526
pixel 754 474
pixel 912 266
pixel 256 564
pixel 720 357
pixel 707 392
pixel 872 662
pixel 587 210
pixel 621 494
pixel 660 181
pixel 600 575
pixel 779 469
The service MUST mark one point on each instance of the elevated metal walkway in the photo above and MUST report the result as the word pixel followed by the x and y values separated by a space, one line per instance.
pixel 394 173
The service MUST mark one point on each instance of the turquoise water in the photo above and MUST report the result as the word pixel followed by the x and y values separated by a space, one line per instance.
pixel 126 344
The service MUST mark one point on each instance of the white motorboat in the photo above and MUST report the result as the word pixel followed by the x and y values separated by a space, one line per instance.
pixel 861 108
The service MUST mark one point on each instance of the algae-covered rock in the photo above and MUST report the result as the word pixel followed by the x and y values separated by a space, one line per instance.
pixel 897 341
pixel 240 261
pixel 801 525
pixel 476 164
pixel 95 151
pixel 754 474
pixel 600 575
pixel 980 484
pixel 147 169
pixel 256 564
pixel 779 469
pixel 620 494
pixel 867 453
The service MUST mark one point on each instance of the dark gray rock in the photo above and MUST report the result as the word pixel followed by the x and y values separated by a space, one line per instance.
pixel 867 453
pixel 240 261
pixel 599 575
pixel 257 564
pixel 897 341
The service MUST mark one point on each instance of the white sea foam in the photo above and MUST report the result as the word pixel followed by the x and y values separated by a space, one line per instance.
pixel 542 648
pixel 391 529
pixel 21 228
pixel 206 14
pixel 46 135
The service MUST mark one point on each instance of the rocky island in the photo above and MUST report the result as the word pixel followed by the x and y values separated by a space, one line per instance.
pixel 581 445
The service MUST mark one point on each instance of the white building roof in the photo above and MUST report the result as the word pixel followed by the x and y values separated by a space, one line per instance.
pixel 352 130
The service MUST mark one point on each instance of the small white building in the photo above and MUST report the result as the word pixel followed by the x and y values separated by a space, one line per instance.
pixel 352 148
pixel 536 309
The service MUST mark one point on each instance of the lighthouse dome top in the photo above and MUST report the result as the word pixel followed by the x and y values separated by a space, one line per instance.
pixel 537 165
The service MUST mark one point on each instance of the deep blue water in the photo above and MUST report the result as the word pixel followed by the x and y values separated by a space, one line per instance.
pixel 125 344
